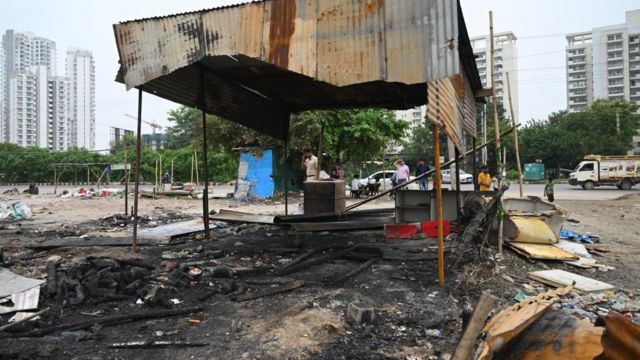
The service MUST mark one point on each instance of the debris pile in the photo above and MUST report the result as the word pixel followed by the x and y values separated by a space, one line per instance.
pixel 98 280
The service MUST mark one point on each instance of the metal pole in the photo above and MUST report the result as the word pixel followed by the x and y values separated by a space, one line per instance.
pixel 514 122
pixel 205 168
pixel 320 149
pixel 437 182
pixel 286 175
pixel 126 179
pixel 136 188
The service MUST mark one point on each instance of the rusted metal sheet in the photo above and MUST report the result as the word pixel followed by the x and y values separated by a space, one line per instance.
pixel 405 41
pixel 443 110
pixel 421 39
pixel 351 41
pixel 621 338
pixel 275 57
pixel 247 22
pixel 512 321
pixel 152 48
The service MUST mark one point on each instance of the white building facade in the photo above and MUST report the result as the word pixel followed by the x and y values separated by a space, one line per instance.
pixel 415 117
pixel 604 63
pixel 38 108
pixel 81 73
pixel 505 61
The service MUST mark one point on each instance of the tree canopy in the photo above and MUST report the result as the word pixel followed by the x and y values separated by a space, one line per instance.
pixel 563 139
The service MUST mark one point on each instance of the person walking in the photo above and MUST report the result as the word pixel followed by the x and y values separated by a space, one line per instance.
pixel 548 190
pixel 310 165
pixel 402 172
pixel 423 168
pixel 484 179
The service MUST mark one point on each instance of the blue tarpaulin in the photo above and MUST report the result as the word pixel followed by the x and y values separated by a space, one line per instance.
pixel 256 167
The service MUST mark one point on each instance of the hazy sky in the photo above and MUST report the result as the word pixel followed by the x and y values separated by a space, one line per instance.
pixel 539 25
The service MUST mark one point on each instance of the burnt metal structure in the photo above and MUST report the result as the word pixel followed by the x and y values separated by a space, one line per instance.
pixel 261 61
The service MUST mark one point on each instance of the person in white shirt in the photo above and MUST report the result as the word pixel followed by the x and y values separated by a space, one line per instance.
pixel 355 186
pixel 310 164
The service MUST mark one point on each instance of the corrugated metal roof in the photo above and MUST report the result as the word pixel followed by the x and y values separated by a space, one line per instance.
pixel 294 55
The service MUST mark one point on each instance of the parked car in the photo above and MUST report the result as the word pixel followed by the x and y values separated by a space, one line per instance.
pixel 465 178
pixel 384 177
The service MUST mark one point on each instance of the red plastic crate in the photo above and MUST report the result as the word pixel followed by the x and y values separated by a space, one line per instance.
pixel 430 228
pixel 400 231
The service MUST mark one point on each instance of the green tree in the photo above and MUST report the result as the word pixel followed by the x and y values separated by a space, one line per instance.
pixel 562 140
pixel 419 145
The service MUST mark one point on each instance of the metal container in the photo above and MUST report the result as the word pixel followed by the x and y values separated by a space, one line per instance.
pixel 324 197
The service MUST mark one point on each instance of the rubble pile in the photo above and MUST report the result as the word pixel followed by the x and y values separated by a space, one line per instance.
pixel 98 280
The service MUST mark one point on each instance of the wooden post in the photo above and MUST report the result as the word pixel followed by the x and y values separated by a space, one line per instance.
pixel 286 175
pixel 88 176
pixel 484 134
pixel 55 181
pixel 458 200
pixel 195 157
pixel 136 188
pixel 467 342
pixel 496 124
pixel 160 175
pixel 475 165
pixel 205 149
pixel 437 182
pixel 155 174
pixel 171 171
pixel 126 179
pixel 514 122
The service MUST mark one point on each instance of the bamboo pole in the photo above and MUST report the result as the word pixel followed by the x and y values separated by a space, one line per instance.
pixel 496 125
pixel 514 122
pixel 437 182
pixel 136 189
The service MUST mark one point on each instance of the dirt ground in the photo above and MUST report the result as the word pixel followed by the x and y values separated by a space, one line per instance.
pixel 414 318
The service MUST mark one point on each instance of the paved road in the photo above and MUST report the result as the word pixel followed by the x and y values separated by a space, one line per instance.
pixel 562 191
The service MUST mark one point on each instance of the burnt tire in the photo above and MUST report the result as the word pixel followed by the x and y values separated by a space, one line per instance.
pixel 626 184
pixel 588 185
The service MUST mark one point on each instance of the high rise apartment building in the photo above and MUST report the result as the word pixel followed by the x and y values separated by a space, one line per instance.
pixel 81 73
pixel 38 108
pixel 505 61
pixel 604 63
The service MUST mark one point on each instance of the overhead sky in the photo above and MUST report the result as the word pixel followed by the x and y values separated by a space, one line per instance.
pixel 539 25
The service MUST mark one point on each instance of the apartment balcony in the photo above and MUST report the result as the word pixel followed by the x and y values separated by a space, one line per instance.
pixel 634 86
pixel 577 62
pixel 577 103
pixel 613 41
pixel 615 49
pixel 634 58
pixel 619 85
pixel 577 86
pixel 576 71
pixel 634 50
pixel 615 66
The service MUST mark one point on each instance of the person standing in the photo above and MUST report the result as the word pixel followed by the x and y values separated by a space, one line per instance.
pixel 310 165
pixel 548 190
pixel 423 168
pixel 402 172
pixel 484 179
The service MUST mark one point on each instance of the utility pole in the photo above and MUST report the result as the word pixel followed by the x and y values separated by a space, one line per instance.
pixel 618 123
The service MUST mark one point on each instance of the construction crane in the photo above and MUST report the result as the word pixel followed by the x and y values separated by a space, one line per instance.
pixel 154 125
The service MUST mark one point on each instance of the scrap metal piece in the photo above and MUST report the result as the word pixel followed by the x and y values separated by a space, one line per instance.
pixel 13 283
pixel 510 322
pixel 27 300
pixel 621 338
